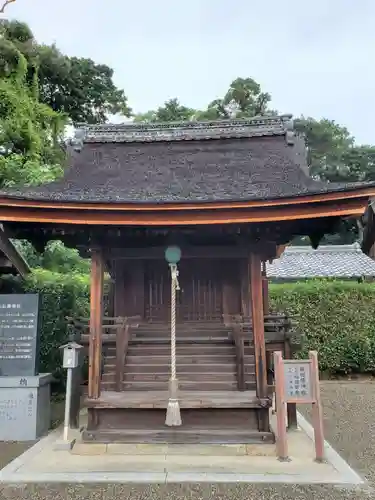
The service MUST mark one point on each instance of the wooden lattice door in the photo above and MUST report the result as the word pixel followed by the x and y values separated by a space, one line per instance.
pixel 200 295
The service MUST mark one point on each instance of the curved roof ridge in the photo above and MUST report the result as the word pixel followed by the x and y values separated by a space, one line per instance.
pixel 354 247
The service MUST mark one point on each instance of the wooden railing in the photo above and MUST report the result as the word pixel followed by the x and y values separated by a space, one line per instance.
pixel 121 337
pixel 122 342
pixel 278 329
pixel 239 342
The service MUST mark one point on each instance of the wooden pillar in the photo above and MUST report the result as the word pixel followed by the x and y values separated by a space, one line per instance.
pixel 96 321
pixel 258 324
pixel 266 304
pixel 259 340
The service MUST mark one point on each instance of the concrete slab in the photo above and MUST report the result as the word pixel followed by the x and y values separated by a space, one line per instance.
pixel 147 463
pixel 62 445
pixel 89 449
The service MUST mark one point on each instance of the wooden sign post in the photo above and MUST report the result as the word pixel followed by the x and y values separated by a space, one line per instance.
pixel 297 381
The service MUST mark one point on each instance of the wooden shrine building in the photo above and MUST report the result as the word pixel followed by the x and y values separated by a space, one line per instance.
pixel 229 195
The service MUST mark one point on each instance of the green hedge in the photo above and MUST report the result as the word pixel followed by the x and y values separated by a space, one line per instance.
pixel 336 318
pixel 61 295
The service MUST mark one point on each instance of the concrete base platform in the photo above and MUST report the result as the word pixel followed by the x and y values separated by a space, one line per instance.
pixel 61 445
pixel 165 463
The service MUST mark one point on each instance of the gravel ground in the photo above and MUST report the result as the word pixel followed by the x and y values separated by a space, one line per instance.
pixel 349 426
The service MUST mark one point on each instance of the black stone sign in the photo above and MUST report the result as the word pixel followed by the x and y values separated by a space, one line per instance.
pixel 19 346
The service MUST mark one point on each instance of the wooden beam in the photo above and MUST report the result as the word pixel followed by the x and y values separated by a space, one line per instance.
pixel 362 191
pixel 12 254
pixel 348 207
pixel 258 324
pixel 192 252
pixel 96 319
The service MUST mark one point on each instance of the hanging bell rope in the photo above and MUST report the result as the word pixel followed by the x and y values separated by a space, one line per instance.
pixel 173 417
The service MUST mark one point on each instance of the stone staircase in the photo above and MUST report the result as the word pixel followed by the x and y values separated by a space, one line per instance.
pixel 206 359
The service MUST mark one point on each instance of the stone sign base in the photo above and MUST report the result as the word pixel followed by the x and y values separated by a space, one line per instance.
pixel 25 407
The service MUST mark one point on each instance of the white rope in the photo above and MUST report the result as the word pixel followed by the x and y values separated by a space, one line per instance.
pixel 173 417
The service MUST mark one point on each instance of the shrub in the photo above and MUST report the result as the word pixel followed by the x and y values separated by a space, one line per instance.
pixel 336 318
pixel 60 295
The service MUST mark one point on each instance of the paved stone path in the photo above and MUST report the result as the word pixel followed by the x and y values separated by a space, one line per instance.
pixel 350 428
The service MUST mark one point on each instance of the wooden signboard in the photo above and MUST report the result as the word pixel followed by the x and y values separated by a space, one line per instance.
pixel 297 381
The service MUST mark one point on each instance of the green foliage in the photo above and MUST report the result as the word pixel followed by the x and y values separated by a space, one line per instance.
pixel 336 318
pixel 56 257
pixel 29 130
pixel 76 87
pixel 244 98
pixel 27 126
pixel 16 170
pixel 172 111
pixel 61 295
pixel 327 142
pixel 59 258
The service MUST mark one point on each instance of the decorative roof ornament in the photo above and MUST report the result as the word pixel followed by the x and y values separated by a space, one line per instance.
pixel 79 138
pixel 290 134
pixel 190 131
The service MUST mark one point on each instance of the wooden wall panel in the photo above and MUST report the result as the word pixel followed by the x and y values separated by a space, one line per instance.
pixel 209 289
pixel 129 288
pixel 230 275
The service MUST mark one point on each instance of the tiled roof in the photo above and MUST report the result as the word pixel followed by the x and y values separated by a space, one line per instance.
pixel 227 160
pixel 330 261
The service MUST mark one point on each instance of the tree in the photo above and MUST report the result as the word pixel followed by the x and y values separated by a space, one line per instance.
pixel 327 144
pixel 172 111
pixel 40 88
pixel 243 99
pixel 6 2
pixel 77 87
pixel 360 163
pixel 29 130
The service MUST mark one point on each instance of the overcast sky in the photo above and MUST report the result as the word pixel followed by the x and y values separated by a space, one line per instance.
pixel 314 58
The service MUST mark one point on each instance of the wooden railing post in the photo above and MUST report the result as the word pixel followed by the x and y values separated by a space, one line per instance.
pixel 96 317
pixel 239 341
pixel 122 342
pixel 291 408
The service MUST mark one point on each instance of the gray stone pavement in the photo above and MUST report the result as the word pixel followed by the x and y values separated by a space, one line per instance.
pixel 350 428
